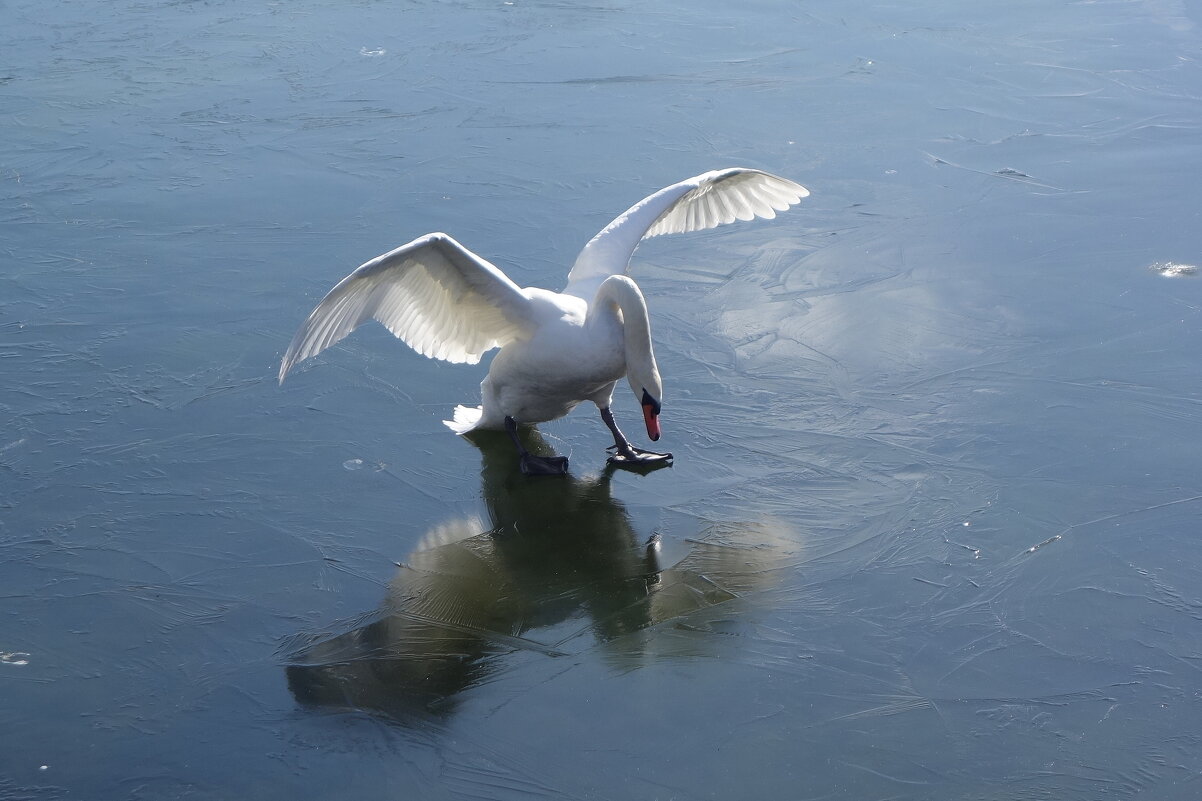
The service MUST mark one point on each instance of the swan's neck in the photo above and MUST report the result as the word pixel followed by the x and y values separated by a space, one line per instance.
pixel 619 299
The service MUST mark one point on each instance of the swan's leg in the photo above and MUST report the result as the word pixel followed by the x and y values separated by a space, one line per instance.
pixel 533 465
pixel 627 455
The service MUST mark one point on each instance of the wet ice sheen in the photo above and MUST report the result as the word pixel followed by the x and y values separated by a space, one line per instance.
pixel 1170 269
pixel 960 326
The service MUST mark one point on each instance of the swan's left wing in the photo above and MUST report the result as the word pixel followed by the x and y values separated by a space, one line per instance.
pixel 437 296
pixel 705 201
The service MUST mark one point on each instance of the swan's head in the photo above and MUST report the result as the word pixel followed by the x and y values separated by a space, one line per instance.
pixel 651 415
pixel 649 391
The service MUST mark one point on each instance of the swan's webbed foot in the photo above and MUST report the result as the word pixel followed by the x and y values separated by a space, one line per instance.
pixel 628 456
pixel 632 458
pixel 532 465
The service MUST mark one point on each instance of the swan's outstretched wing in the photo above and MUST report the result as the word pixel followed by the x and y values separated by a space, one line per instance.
pixel 444 301
pixel 706 201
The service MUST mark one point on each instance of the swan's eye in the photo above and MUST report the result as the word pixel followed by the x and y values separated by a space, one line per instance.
pixel 650 401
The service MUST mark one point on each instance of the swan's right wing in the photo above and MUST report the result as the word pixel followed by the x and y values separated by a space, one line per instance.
pixel 704 201
pixel 437 296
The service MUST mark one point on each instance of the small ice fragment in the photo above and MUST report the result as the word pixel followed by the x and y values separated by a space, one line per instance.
pixel 379 51
pixel 353 464
pixel 13 658
pixel 1170 269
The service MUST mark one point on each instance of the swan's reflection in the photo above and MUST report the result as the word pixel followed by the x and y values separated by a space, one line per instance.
pixel 559 570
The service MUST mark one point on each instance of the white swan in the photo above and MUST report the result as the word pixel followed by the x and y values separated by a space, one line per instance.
pixel 557 348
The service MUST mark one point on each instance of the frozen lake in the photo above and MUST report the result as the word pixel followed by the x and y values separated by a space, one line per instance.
pixel 932 531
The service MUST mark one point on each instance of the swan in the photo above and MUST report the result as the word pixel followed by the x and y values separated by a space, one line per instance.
pixel 558 349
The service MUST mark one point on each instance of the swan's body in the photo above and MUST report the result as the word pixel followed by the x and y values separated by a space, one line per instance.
pixel 557 348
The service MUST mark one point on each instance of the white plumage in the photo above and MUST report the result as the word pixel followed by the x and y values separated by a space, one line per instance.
pixel 557 349
pixel 437 296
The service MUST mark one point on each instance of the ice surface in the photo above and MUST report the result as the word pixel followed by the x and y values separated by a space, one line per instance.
pixel 931 530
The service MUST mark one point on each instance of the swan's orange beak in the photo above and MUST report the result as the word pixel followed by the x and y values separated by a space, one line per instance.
pixel 651 416
pixel 652 420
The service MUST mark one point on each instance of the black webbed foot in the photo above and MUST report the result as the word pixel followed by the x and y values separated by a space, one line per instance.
pixel 632 458
pixel 532 465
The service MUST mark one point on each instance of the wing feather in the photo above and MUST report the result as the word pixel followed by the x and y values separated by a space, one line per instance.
pixel 434 294
pixel 723 196
pixel 705 201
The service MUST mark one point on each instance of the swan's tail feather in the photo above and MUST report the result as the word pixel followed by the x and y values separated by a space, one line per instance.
pixel 465 419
